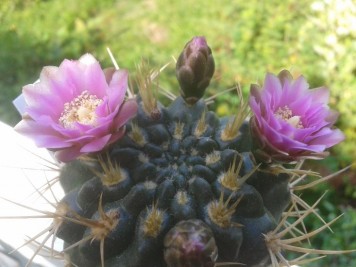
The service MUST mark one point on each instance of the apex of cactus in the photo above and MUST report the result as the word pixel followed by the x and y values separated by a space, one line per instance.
pixel 195 68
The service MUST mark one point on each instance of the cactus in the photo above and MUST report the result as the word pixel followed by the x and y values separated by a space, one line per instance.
pixel 179 186
pixel 167 171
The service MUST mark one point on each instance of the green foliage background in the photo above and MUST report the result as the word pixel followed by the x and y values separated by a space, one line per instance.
pixel 248 38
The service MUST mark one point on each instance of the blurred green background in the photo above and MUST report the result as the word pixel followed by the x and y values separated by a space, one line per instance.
pixel 248 38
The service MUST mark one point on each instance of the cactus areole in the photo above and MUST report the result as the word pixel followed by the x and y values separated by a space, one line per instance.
pixel 153 185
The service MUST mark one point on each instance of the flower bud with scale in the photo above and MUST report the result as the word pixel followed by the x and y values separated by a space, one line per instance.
pixel 194 69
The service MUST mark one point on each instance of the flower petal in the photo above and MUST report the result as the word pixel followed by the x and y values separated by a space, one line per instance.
pixel 117 89
pixel 98 96
pixel 66 155
pixel 290 121
pixel 96 145
pixel 128 111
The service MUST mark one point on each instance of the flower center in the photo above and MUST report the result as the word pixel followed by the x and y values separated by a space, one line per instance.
pixel 80 109
pixel 286 114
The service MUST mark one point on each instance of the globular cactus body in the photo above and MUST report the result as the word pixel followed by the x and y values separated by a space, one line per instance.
pixel 174 191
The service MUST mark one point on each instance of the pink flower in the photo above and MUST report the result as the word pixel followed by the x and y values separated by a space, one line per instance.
pixel 290 121
pixel 76 108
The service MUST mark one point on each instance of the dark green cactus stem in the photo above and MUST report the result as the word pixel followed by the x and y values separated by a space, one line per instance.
pixel 182 195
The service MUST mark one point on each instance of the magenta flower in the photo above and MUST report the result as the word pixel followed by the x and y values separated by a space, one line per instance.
pixel 76 108
pixel 290 121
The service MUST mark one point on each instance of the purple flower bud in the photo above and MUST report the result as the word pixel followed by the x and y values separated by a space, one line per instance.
pixel 195 68
pixel 190 244
pixel 290 121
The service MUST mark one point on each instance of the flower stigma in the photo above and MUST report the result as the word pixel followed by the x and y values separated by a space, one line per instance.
pixel 81 109
pixel 286 114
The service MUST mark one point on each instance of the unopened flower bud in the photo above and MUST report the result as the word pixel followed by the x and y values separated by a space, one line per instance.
pixel 190 244
pixel 194 69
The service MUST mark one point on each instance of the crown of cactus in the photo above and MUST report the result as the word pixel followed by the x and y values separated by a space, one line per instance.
pixel 176 186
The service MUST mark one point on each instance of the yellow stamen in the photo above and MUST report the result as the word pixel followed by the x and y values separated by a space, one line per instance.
pixel 81 109
pixel 286 114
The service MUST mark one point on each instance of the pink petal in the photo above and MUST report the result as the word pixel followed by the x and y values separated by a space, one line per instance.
pixel 109 72
pixel 332 117
pixel 255 92
pixel 128 111
pixel 60 83
pixel 320 95
pixel 117 89
pixel 331 138
pixel 103 109
pixel 96 145
pixel 37 102
pixel 93 76
pixel 43 136
pixel 117 135
pixel 68 154
pixel 272 83
pixel 32 128
pixel 73 79
pixel 79 140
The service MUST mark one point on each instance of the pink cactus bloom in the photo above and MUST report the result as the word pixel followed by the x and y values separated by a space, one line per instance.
pixel 76 108
pixel 292 122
